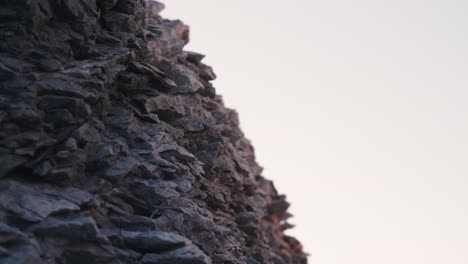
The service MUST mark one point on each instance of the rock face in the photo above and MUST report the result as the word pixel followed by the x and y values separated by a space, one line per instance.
pixel 115 148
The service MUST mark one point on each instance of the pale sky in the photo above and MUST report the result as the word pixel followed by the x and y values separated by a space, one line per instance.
pixel 358 111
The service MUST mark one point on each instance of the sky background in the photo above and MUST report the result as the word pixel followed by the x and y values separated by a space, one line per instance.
pixel 358 112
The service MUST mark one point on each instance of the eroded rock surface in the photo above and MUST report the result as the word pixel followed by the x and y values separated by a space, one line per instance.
pixel 115 148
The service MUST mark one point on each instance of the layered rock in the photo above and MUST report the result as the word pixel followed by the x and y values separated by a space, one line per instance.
pixel 115 148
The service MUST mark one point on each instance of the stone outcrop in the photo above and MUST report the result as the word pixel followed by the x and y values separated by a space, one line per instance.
pixel 115 148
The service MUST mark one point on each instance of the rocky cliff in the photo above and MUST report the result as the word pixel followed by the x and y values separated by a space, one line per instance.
pixel 115 148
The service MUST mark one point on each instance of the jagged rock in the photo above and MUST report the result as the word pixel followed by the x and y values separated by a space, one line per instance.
pixel 153 241
pixel 105 152
pixel 16 65
pixel 22 252
pixel 121 168
pixel 77 107
pixel 64 87
pixel 186 81
pixel 154 72
pixel 133 222
pixel 115 147
pixel 184 185
pixel 75 229
pixel 36 204
pixel 90 254
pixel 206 72
pixel 154 191
pixel 9 234
pixel 192 124
pixel 194 57
pixel 9 162
pixel 187 255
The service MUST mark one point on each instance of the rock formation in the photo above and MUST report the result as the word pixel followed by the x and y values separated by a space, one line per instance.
pixel 115 148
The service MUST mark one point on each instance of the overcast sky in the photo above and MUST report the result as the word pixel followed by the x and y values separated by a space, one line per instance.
pixel 358 111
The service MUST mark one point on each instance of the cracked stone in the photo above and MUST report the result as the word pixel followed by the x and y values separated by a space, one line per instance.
pixel 186 81
pixel 154 191
pixel 64 88
pixel 190 254
pixel 76 229
pixel 133 222
pixel 153 241
pixel 30 204
pixel 120 168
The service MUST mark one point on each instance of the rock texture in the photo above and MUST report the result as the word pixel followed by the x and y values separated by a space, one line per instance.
pixel 115 148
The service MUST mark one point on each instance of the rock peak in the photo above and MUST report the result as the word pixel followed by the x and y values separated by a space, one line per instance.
pixel 115 147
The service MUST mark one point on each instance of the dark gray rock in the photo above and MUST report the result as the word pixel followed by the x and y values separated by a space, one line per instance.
pixel 34 205
pixel 192 124
pixel 77 107
pixel 9 162
pixel 154 191
pixel 64 88
pixel 120 168
pixel 194 57
pixel 75 229
pixel 153 241
pixel 153 72
pixel 105 152
pixel 26 116
pixel 133 222
pixel 87 133
pixel 115 147
pixel 7 14
pixel 23 252
pixel 16 65
pixel 206 72
pixel 9 234
pixel 5 72
pixel 90 254
pixel 60 117
pixel 186 81
pixel 190 254
pixel 184 185
pixel 45 62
